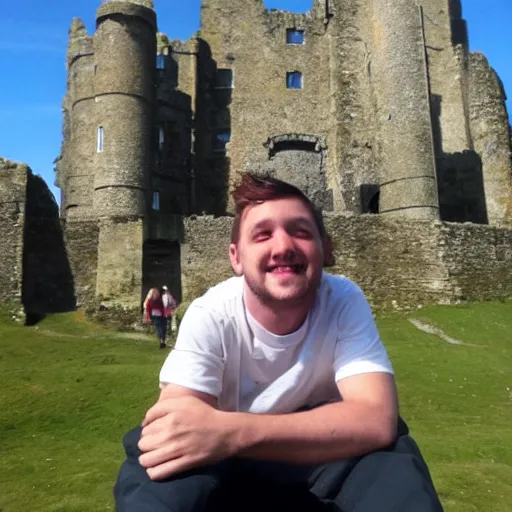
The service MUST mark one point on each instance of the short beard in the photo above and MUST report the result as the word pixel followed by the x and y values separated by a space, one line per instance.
pixel 271 300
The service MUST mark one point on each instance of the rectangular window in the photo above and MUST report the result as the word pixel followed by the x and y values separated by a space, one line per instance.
pixel 369 194
pixel 224 79
pixel 99 139
pixel 160 62
pixel 161 138
pixel 156 201
pixel 294 80
pixel 221 139
pixel 294 36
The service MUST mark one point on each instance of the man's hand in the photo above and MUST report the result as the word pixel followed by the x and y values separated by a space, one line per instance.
pixel 183 433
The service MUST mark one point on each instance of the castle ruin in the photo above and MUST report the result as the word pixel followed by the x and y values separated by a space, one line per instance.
pixel 375 108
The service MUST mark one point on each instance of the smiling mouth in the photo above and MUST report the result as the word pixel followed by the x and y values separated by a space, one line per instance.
pixel 287 269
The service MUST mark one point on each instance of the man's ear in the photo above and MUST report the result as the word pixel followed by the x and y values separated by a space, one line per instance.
pixel 234 257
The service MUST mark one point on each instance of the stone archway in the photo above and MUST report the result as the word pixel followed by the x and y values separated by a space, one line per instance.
pixel 300 159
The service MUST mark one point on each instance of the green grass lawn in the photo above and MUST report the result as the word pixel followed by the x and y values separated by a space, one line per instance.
pixel 70 389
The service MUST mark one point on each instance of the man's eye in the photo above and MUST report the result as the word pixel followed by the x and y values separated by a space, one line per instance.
pixel 262 235
pixel 303 233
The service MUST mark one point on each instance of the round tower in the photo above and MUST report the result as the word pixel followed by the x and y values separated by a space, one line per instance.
pixel 408 187
pixel 125 75
pixel 76 168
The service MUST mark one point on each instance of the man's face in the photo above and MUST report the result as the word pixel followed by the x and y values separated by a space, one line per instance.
pixel 279 252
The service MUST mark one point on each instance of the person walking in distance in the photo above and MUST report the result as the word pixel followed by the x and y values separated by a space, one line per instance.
pixel 154 313
pixel 279 394
pixel 170 306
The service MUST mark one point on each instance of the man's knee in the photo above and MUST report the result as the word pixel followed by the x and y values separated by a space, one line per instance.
pixel 395 479
pixel 193 491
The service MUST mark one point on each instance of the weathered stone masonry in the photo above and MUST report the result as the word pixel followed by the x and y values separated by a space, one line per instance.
pixel 34 268
pixel 369 106
pixel 398 263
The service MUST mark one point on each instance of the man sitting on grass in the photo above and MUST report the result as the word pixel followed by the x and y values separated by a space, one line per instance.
pixel 279 394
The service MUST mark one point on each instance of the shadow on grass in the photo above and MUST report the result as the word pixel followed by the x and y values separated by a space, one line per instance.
pixel 32 319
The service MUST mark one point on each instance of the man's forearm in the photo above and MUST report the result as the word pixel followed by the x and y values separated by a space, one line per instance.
pixel 327 433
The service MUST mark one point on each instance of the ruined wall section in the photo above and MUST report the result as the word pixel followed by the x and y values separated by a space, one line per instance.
pixel 13 185
pixel 243 36
pixel 398 263
pixel 459 167
pixel 446 47
pixel 34 269
pixel 490 132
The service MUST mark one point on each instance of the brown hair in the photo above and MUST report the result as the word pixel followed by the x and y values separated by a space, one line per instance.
pixel 255 189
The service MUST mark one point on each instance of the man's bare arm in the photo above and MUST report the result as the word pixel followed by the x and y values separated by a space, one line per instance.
pixel 183 431
pixel 366 420
pixel 174 391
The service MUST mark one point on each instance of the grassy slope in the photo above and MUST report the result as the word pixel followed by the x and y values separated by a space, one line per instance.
pixel 71 389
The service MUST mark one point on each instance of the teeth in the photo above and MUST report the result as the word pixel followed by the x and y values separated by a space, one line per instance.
pixel 288 268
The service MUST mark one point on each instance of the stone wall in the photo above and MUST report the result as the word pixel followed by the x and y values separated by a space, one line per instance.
pixel 491 137
pixel 34 268
pixel 395 262
pixel 204 254
pixel 82 248
pixel 399 264
pixel 478 260
pixel 119 278
pixel 13 184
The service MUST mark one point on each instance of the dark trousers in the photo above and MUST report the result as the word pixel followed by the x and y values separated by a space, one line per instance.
pixel 160 323
pixel 392 480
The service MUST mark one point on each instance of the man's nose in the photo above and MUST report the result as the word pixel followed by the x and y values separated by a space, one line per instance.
pixel 284 247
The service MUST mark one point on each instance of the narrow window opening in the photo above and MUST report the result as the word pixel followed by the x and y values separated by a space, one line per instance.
pixel 294 80
pixel 160 61
pixel 370 195
pixel 161 138
pixel 294 36
pixel 224 79
pixel 221 139
pixel 156 201
pixel 99 139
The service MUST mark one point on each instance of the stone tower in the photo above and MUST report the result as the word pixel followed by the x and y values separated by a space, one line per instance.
pixel 124 90
pixel 105 169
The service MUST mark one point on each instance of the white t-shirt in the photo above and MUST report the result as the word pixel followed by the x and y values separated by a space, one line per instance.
pixel 221 350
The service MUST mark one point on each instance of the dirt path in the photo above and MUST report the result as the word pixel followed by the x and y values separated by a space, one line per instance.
pixel 432 329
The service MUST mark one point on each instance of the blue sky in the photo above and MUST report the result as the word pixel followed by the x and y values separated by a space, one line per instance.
pixel 33 39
